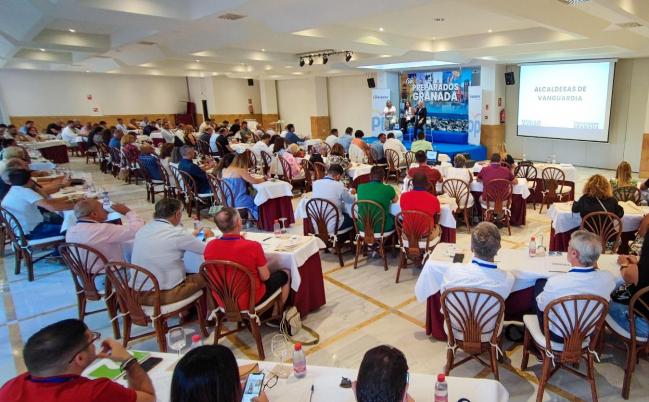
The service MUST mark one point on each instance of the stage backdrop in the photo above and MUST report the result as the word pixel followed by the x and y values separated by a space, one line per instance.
pixel 379 97
pixel 446 96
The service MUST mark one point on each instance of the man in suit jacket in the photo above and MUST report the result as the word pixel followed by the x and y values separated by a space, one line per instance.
pixel 420 115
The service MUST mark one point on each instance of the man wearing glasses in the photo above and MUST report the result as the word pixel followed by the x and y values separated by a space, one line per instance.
pixel 56 356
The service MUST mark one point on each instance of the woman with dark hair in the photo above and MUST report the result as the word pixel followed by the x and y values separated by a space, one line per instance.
pixel 383 376
pixel 337 156
pixel 407 117
pixel 208 374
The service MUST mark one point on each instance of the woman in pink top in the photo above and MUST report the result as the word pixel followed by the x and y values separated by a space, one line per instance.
pixel 296 169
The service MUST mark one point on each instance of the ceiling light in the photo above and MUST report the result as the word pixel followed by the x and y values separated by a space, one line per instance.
pixel 263 50
pixel 310 60
pixel 490 30
pixel 214 74
pixel 288 66
pixel 348 56
pixel 197 61
pixel 325 59
pixel 301 62
pixel 72 30
pixel 42 50
pixel 87 71
pixel 381 29
pixel 434 37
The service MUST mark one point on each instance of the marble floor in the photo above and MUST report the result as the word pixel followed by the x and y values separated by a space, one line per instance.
pixel 364 308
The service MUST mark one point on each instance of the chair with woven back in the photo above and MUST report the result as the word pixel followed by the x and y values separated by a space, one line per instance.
pixel 228 283
pixel 460 191
pixel 104 157
pixel 24 248
pixel 607 226
pixel 325 220
pixel 369 156
pixel 203 147
pixel 320 170
pixel 287 175
pixel 554 187
pixel 132 168
pixel 325 149
pixel 266 161
pixel 179 185
pixel 133 285
pixel 635 345
pixel 115 160
pixel 86 265
pixel 223 195
pixel 410 158
pixel 252 161
pixel 579 320
pixel 194 198
pixel 394 165
pixel 368 214
pixel 528 171
pixel 473 323
pixel 150 168
pixel 628 193
pixel 496 202
pixel 413 236
pixel 309 174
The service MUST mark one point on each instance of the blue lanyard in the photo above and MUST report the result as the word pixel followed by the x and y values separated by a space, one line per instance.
pixel 484 264
pixel 419 188
pixel 52 380
pixel 230 238
pixel 582 270
pixel 328 178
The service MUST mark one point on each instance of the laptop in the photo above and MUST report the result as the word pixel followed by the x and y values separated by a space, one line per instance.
pixel 431 157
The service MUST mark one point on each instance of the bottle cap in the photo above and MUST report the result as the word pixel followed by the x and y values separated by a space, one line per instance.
pixel 441 378
pixel 298 346
pixel 196 338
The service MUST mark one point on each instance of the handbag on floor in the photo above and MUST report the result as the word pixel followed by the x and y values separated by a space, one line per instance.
pixel 291 325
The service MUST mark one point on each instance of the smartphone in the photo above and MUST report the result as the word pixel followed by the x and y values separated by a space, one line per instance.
pixel 201 235
pixel 458 257
pixel 253 387
pixel 150 363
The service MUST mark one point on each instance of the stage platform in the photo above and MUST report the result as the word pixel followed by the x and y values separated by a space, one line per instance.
pixel 477 152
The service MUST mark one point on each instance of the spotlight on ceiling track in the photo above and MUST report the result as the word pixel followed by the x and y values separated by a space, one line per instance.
pixel 301 62
pixel 325 59
pixel 310 60
pixel 348 56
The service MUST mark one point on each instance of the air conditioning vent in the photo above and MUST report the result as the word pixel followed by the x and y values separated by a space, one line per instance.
pixel 147 43
pixel 573 2
pixel 231 16
pixel 631 24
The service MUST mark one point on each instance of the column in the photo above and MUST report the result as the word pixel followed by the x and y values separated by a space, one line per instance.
pixel 269 111
pixel 644 154
pixel 492 133
pixel 320 123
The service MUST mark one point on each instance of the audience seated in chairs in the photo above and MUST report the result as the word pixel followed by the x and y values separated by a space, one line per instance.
pixel 357 148
pixel 332 139
pixel 459 170
pixel 165 157
pixel 421 144
pixel 188 166
pixel 115 141
pixel 583 278
pixel 168 238
pixel 147 153
pixel 56 356
pixel 395 145
pixel 432 175
pixel 421 199
pixel 345 140
pixel 291 135
pixel 92 229
pixel 597 197
pixel 262 145
pixel 337 156
pixel 623 176
pixel 377 149
pixel 237 177
pixel 381 193
pixel 382 376
pixel 332 189
pixel 232 246
pixel 495 171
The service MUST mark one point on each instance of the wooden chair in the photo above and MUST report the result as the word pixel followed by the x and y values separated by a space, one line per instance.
pixel 370 214
pixel 132 168
pixel 410 159
pixel 607 226
pixel 394 168
pixel 628 193
pixel 413 230
pixel 91 153
pixel 252 164
pixel 473 323
pixel 579 320
pixel 634 344
pixel 104 158
pixel 194 198
pixel 266 161
pixel 369 155
pixel 148 168
pixel 460 191
pixel 553 189
pixel 223 195
pixel 115 160
pixel 203 147
pixel 287 175
pixel 320 170
pixel 496 202
pixel 325 220
pixel 528 172
pixel 24 249
pixel 309 174
pixel 86 265
pixel 228 283
pixel 131 284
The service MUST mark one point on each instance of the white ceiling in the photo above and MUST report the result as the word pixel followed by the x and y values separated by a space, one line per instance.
pixel 167 37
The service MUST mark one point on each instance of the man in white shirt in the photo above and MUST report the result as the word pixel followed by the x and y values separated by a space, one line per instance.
pixel 332 138
pixel 144 122
pixel 583 278
pixel 204 125
pixel 332 189
pixel 159 247
pixel 262 145
pixel 120 124
pixel 395 145
pixel 69 134
pixel 168 136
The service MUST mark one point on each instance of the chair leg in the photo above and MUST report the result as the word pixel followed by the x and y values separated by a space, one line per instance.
pixel 545 375
pixel 3 239
pixel 494 362
pixel 217 330
pixel 402 264
pixel 385 256
pixel 339 251
pixel 467 220
pixel 111 307
pixel 450 356
pixel 591 376
pixel 160 333
pixel 30 266
pixel 628 371
pixel 526 349
pixel 359 245
pixel 202 309
pixel 81 305
pixel 18 256
pixel 256 333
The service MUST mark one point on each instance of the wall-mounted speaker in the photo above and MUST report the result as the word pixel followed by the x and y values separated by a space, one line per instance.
pixel 509 78
pixel 371 83
pixel 251 82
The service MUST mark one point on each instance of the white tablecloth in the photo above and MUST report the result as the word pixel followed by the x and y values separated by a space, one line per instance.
pixel 42 165
pixel 446 217
pixel 156 135
pixel 564 220
pixel 276 252
pixel 526 270
pixel 313 141
pixel 42 144
pixel 272 189
pixel 326 383
pixel 568 170
pixel 356 170
pixel 241 147
pixel 69 219
pixel 520 187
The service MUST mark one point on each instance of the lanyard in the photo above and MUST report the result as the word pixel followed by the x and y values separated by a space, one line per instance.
pixel 52 380
pixel 582 270
pixel 233 237
pixel 163 221
pixel 483 264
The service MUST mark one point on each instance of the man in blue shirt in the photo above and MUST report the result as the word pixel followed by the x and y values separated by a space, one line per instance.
pixel 25 129
pixel 291 137
pixel 115 141
pixel 346 139
pixel 188 166
pixel 377 149
pixel 149 161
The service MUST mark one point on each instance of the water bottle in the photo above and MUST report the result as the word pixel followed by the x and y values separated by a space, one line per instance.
pixel 532 247
pixel 299 361
pixel 196 341
pixel 277 230
pixel 524 158
pixel 106 201
pixel 441 389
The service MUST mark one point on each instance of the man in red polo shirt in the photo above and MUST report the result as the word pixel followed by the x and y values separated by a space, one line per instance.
pixel 233 247
pixel 495 171
pixel 56 356
pixel 420 199
pixel 433 175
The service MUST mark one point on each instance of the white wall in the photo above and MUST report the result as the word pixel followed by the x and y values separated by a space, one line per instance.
pixel 231 96
pixel 42 93
pixel 627 124
pixel 295 102
pixel 202 89
pixel 350 103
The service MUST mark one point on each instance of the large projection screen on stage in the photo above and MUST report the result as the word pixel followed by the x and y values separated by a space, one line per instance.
pixel 566 100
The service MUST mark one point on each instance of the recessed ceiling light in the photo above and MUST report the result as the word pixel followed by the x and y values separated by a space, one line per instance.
pixel 42 50
pixel 288 66
pixel 87 71
pixel 434 37
pixel 215 74
pixel 490 30
pixel 263 50
pixel 381 29
pixel 72 30
pixel 197 61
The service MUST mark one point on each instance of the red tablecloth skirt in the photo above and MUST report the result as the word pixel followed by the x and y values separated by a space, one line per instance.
pixel 311 294
pixel 274 209
pixel 559 241
pixel 517 304
pixel 537 196
pixel 157 141
pixel 519 207
pixel 57 154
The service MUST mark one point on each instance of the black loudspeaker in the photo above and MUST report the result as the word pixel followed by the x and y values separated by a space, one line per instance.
pixel 509 78
pixel 371 83
pixel 251 82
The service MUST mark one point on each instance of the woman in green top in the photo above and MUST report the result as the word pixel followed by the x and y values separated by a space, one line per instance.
pixel 623 176
pixel 377 191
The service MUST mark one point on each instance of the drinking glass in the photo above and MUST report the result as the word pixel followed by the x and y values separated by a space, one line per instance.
pixel 177 339
pixel 279 347
pixel 283 222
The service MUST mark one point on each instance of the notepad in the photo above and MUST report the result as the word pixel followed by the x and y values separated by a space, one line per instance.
pixel 111 370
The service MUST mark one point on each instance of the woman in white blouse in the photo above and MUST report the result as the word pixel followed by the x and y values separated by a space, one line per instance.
pixel 408 117
pixel 390 113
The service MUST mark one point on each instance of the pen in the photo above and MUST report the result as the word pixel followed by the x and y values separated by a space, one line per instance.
pixel 311 395
pixel 268 238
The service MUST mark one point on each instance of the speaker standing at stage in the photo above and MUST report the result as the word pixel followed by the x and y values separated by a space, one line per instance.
pixel 408 117
pixel 420 116
pixel 390 114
